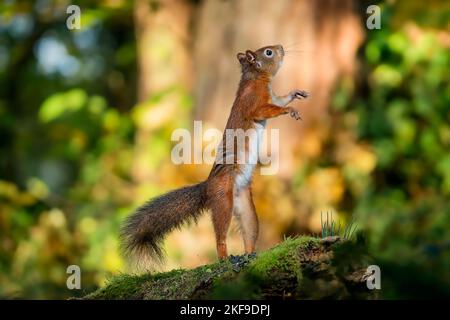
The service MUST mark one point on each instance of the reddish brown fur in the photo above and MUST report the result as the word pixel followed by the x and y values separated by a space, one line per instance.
pixel 226 191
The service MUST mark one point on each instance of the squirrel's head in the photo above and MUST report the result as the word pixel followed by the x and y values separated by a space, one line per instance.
pixel 264 60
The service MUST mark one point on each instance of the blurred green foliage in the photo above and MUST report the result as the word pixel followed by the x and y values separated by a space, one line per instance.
pixel 68 128
pixel 66 144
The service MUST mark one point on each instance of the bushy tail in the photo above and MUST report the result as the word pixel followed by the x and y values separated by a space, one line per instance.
pixel 143 232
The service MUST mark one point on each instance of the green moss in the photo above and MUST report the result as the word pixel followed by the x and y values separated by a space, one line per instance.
pixel 282 257
pixel 123 286
pixel 175 284
pixel 184 284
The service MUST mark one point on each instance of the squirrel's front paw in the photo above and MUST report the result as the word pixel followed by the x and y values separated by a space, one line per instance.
pixel 300 94
pixel 294 113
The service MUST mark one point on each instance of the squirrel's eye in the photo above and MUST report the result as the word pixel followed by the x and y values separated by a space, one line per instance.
pixel 268 53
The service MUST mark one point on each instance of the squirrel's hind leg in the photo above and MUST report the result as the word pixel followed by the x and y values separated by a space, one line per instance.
pixel 220 201
pixel 244 210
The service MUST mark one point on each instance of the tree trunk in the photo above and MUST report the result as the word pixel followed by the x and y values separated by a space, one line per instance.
pixel 164 64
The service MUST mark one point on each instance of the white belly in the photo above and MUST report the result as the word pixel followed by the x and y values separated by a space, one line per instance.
pixel 244 177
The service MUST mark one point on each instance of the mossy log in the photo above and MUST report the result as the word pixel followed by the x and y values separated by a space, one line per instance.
pixel 299 268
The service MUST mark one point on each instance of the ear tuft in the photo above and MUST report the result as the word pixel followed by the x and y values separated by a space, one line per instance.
pixel 241 57
pixel 251 57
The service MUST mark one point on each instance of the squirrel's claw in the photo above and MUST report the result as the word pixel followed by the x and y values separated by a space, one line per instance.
pixel 295 114
pixel 301 94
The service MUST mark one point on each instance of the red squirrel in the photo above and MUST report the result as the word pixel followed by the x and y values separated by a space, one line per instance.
pixel 227 190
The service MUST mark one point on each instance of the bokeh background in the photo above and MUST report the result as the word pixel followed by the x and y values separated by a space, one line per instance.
pixel 86 118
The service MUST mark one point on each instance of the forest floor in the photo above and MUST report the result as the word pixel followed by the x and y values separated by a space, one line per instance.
pixel 297 268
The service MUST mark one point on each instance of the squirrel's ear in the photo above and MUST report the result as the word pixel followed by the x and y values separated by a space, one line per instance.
pixel 251 57
pixel 241 57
